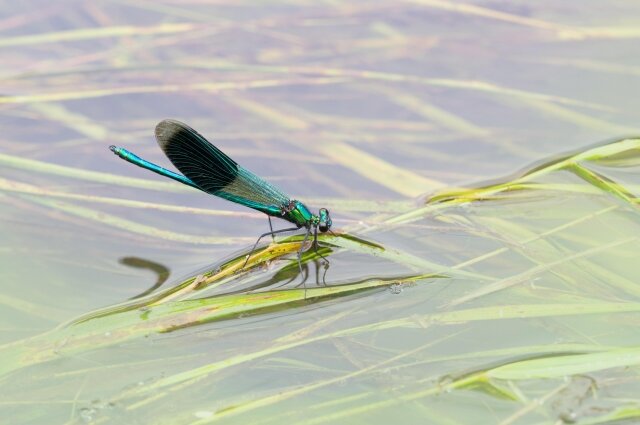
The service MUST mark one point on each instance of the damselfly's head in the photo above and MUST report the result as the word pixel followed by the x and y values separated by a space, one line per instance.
pixel 324 223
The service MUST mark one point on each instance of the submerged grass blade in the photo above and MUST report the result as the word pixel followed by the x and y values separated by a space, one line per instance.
pixel 94 33
pixel 87 175
pixel 284 395
pixel 78 122
pixel 629 149
pixel 454 317
pixel 24 188
pixel 579 119
pixel 373 168
pixel 485 12
pixel 603 183
pixel 131 226
pixel 567 365
pixel 392 177
pixel 433 113
pixel 521 277
pixel 123 325
pixel 209 87
pixel 369 75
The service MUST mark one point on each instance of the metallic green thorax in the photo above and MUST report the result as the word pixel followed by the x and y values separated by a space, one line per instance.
pixel 297 213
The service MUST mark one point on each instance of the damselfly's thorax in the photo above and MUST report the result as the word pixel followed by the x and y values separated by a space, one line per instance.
pixel 289 206
pixel 298 213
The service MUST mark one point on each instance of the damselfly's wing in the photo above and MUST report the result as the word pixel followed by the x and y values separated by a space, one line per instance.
pixel 214 172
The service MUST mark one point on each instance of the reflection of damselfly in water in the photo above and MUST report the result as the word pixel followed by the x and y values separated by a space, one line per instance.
pixel 207 168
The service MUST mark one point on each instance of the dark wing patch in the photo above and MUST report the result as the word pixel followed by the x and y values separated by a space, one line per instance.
pixel 207 166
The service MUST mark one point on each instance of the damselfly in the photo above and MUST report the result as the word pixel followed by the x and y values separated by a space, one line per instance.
pixel 207 168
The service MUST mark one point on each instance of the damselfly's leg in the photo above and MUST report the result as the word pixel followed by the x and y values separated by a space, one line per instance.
pixel 273 238
pixel 262 236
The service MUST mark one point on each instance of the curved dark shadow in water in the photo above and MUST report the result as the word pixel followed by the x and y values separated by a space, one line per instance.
pixel 162 272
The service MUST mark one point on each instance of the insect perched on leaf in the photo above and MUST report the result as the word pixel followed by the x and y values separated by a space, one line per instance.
pixel 207 168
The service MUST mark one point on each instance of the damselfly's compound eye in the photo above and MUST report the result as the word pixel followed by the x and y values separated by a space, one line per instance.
pixel 325 220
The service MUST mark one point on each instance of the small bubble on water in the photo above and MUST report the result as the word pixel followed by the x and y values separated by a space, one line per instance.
pixel 86 414
pixel 569 417
pixel 395 289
